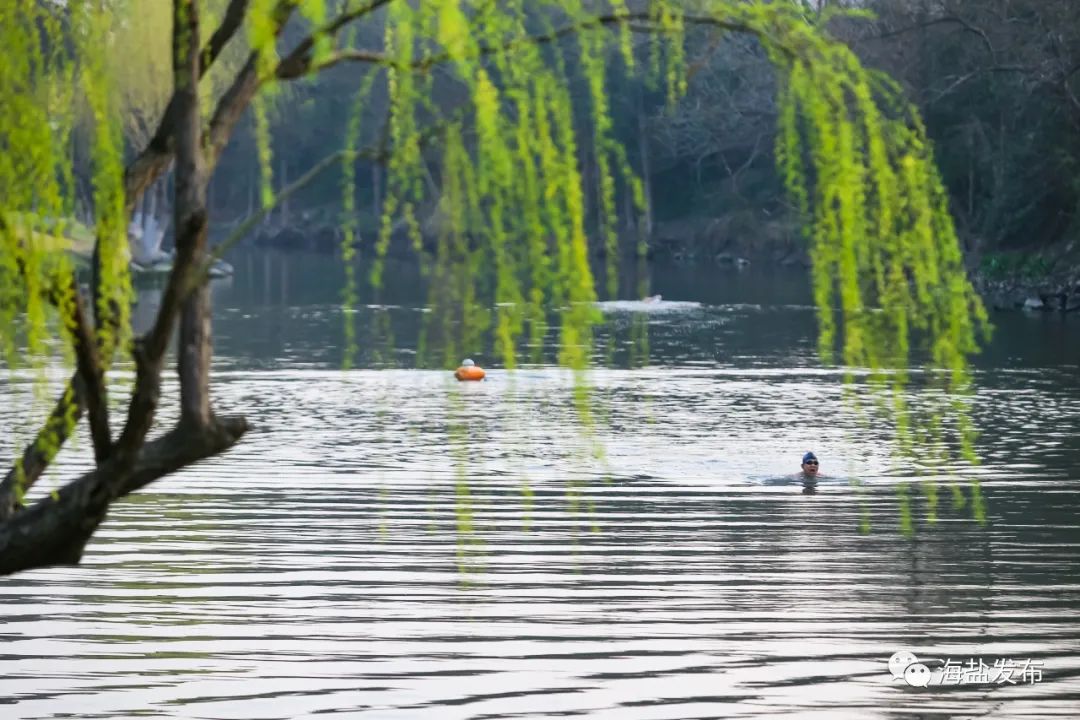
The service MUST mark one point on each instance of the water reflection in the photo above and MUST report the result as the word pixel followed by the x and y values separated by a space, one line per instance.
pixel 806 484
pixel 390 543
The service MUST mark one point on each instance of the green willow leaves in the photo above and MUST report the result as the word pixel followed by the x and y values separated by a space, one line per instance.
pixel 487 105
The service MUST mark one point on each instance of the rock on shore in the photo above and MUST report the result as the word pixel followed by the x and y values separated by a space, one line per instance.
pixel 1060 294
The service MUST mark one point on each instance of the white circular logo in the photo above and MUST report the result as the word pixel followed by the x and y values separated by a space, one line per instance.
pixel 900 661
pixel 917 675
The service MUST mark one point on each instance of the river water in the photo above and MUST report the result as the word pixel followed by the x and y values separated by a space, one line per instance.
pixel 388 543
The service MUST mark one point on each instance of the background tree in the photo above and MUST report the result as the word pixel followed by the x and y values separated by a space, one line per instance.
pixel 998 84
pixel 483 125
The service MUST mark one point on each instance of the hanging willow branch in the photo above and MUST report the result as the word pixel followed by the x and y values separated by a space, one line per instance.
pixel 511 248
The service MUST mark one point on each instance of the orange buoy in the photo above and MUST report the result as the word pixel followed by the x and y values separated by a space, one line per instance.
pixel 469 371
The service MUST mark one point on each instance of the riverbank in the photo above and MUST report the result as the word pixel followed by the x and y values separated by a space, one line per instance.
pixel 1037 280
pixel 1057 293
pixel 738 238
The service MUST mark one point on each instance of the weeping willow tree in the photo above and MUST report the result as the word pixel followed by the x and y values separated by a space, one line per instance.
pixel 502 167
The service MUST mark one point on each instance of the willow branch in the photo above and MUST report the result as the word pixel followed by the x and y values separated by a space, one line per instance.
pixel 152 161
pixel 247 82
pixel 234 16
pixel 138 175
pixel 301 54
pixel 57 428
pixel 86 388
pixel 252 220
pixel 301 62
pixel 84 391
pixel 940 21
pixel 55 529
pixel 637 22
pixel 230 108
pixel 149 351
pixel 292 70
pixel 39 454
pixel 92 372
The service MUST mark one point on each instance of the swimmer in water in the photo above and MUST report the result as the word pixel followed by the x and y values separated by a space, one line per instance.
pixel 809 475
pixel 652 299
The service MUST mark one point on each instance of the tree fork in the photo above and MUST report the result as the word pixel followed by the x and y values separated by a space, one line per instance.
pixel 154 159
pixel 55 529
pixel 151 162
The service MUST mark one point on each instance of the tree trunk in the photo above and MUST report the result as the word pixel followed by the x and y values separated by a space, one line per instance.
pixel 55 528
pixel 190 215
pixel 195 353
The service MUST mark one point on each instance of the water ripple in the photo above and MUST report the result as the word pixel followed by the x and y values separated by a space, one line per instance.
pixel 391 544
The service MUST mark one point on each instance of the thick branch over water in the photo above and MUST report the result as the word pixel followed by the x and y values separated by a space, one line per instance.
pixel 56 528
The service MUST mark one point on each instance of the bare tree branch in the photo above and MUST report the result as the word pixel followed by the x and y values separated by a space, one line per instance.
pixel 291 70
pixel 234 16
pixel 92 373
pixel 967 77
pixel 299 62
pixel 940 21
pixel 55 529
pixel 247 82
pixel 153 160
pixel 230 108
